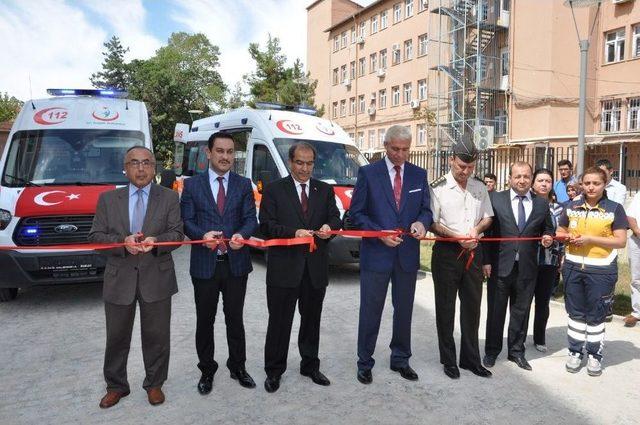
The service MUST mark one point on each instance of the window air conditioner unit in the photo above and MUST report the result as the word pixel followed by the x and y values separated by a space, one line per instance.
pixel 346 82
pixel 415 104
pixel 425 4
pixel 619 1
pixel 360 39
pixel 395 46
pixel 371 110
pixel 483 136
pixel 381 72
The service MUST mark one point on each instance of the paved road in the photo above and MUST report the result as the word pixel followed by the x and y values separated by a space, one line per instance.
pixel 52 345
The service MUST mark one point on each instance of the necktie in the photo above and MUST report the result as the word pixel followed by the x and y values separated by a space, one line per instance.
pixel 522 219
pixel 397 186
pixel 304 200
pixel 138 213
pixel 220 198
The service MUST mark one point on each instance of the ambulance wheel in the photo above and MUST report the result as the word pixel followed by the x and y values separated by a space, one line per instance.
pixel 8 294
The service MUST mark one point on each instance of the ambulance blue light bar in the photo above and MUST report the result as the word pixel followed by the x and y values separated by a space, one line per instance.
pixel 303 109
pixel 89 92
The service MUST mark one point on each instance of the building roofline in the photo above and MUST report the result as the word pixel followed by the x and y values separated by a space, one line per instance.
pixel 318 1
pixel 359 12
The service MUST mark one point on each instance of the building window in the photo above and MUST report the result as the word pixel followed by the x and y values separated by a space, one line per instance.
pixel 352 70
pixel 504 61
pixel 611 110
pixel 373 62
pixel 360 139
pixel 396 54
pixel 361 105
pixel 363 29
pixel 381 133
pixel 335 76
pixel 374 24
pixel 382 99
pixel 408 50
pixel 334 110
pixel 383 19
pixel 422 5
pixel 343 73
pixel 422 134
pixel 352 106
pixel 336 43
pixel 636 41
pixel 408 8
pixel 352 137
pixel 614 46
pixel 422 89
pixel 343 40
pixel 423 41
pixel 353 35
pixel 362 66
pixel 397 13
pixel 395 95
pixel 484 10
pixel 501 122
pixel 383 59
pixel 343 108
pixel 505 5
pixel 634 114
pixel 372 138
pixel 406 93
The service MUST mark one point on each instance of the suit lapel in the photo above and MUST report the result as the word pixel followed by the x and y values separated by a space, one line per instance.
pixel 206 187
pixel 152 207
pixel 406 178
pixel 232 192
pixel 507 201
pixel 385 182
pixel 292 193
pixel 123 208
pixel 314 199
pixel 533 211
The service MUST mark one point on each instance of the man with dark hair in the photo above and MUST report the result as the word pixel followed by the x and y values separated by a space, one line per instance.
pixel 616 191
pixel 565 169
pixel 514 264
pixel 461 208
pixel 490 180
pixel 296 206
pixel 220 204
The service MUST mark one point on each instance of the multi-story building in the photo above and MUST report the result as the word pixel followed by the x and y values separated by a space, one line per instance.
pixel 506 68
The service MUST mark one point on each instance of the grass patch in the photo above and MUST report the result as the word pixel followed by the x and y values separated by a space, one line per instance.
pixel 621 305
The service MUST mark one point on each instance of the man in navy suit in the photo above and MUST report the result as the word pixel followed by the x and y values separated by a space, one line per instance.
pixel 389 194
pixel 220 204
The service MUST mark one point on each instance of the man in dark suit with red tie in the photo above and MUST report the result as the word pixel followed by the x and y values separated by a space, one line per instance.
pixel 292 207
pixel 220 204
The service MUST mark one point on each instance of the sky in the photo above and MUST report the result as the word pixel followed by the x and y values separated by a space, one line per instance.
pixel 59 43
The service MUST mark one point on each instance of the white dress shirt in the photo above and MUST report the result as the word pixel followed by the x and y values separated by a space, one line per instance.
pixel 392 171
pixel 213 182
pixel 299 189
pixel 528 207
pixel 616 191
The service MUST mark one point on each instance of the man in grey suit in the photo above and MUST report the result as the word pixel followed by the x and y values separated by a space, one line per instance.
pixel 147 213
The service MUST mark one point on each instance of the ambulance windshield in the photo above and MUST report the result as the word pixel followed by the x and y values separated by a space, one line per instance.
pixel 59 157
pixel 335 163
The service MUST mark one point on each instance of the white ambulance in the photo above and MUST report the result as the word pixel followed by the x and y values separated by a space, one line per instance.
pixel 61 154
pixel 262 140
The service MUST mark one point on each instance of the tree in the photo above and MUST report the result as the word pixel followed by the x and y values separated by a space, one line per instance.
pixel 114 72
pixel 236 98
pixel 9 107
pixel 426 117
pixel 273 81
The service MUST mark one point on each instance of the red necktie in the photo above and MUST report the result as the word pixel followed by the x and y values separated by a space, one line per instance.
pixel 397 186
pixel 222 247
pixel 304 200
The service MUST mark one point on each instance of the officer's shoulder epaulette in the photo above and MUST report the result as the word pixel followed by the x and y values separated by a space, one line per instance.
pixel 437 182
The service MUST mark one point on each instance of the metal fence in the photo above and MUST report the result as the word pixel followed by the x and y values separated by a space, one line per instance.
pixel 625 160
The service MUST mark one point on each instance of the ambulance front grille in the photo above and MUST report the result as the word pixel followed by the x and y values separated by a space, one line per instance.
pixel 53 230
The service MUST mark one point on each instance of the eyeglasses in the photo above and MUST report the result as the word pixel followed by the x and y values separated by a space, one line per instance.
pixel 145 163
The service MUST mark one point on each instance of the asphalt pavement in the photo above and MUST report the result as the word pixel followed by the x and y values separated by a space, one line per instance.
pixel 52 346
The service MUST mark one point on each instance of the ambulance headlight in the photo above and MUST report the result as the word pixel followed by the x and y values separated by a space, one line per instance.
pixel 5 219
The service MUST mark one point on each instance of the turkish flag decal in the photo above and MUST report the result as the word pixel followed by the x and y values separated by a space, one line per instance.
pixel 59 200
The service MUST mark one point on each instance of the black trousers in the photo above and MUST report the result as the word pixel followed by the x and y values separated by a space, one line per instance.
pixel 547 276
pixel 207 293
pixel 451 279
pixel 281 303
pixel 155 325
pixel 516 293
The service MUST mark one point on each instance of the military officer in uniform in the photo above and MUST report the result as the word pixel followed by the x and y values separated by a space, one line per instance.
pixel 461 209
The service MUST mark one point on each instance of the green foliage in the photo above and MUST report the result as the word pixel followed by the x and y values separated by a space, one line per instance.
pixel 114 72
pixel 273 81
pixel 9 107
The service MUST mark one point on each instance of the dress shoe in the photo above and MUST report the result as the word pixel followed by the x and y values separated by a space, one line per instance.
pixel 271 384
pixel 243 378
pixel 520 361
pixel 489 361
pixel 317 377
pixel 205 384
pixel 155 396
pixel 630 320
pixel 364 376
pixel 477 370
pixel 406 372
pixel 452 371
pixel 111 398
